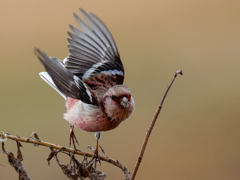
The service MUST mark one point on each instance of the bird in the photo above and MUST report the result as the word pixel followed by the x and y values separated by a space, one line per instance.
pixel 90 79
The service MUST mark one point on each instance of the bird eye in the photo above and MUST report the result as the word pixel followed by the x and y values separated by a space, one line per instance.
pixel 113 97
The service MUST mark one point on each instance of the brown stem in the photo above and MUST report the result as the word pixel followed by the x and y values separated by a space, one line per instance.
pixel 35 141
pixel 148 133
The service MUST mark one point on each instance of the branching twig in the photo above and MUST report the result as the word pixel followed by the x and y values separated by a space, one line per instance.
pixel 37 141
pixel 148 133
pixel 34 139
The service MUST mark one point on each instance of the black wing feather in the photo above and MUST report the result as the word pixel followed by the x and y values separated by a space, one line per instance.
pixel 93 49
pixel 66 82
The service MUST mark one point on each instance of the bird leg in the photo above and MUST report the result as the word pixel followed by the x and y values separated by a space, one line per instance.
pixel 97 136
pixel 73 138
pixel 95 151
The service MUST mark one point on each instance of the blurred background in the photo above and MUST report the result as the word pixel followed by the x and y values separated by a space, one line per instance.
pixel 197 134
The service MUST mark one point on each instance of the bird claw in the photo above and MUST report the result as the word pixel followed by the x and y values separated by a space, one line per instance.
pixel 72 137
pixel 96 159
pixel 95 156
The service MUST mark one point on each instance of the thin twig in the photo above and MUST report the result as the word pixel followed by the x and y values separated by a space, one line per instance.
pixel 148 133
pixel 36 141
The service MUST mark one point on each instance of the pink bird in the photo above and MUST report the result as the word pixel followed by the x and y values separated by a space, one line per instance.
pixel 90 79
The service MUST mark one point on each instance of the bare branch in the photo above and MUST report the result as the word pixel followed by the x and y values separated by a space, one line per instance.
pixel 148 133
pixel 37 141
pixel 85 169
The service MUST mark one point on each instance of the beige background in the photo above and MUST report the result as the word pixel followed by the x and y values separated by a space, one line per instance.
pixel 197 135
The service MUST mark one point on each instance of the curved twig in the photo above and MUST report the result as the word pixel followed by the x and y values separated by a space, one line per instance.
pixel 148 133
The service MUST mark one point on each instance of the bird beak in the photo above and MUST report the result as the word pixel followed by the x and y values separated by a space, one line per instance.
pixel 124 102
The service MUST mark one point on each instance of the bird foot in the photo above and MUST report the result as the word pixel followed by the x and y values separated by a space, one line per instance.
pixel 72 138
pixel 95 156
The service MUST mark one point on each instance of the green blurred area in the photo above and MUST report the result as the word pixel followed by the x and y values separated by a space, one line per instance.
pixel 197 134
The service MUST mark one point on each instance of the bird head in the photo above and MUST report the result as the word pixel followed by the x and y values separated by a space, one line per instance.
pixel 118 102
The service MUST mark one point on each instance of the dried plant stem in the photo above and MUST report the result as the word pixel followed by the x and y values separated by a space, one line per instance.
pixel 148 133
pixel 36 141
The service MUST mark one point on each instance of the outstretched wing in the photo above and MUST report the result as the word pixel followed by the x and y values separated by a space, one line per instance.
pixel 67 83
pixel 93 52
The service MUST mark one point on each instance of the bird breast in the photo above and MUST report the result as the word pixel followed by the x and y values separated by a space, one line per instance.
pixel 87 117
